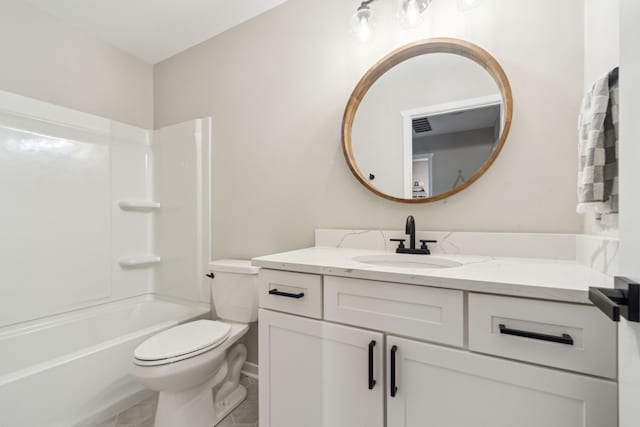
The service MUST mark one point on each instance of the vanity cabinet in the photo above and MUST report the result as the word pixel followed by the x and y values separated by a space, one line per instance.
pixel 317 374
pixel 420 312
pixel 519 328
pixel 398 355
pixel 295 293
pixel 445 387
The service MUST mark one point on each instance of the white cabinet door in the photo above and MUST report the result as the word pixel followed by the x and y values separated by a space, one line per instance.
pixel 316 374
pixel 443 387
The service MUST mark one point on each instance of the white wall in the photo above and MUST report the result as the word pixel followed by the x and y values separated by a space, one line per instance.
pixel 277 86
pixel 421 82
pixel 601 39
pixel 45 59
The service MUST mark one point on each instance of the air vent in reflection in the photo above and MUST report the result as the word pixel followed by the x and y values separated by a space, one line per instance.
pixel 421 125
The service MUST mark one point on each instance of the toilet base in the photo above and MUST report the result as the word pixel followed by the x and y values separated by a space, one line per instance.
pixel 191 408
pixel 231 402
pixel 196 407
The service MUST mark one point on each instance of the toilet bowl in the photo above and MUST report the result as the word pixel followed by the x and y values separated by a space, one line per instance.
pixel 196 366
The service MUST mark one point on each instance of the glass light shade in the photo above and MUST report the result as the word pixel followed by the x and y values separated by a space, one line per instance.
pixel 465 5
pixel 362 23
pixel 411 12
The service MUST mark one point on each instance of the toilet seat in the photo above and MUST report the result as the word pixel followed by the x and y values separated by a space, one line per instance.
pixel 181 342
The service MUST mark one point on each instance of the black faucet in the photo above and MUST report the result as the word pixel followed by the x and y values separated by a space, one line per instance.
pixel 410 229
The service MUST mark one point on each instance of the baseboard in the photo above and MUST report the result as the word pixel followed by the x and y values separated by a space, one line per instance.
pixel 251 370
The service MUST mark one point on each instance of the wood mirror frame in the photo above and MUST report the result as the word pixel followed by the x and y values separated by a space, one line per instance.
pixel 435 45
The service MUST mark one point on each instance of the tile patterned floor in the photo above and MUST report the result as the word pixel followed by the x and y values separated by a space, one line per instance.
pixel 143 414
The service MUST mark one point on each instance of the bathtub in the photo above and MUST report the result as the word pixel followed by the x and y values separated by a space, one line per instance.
pixel 72 369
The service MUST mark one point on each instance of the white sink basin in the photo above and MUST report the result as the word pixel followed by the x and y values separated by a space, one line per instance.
pixel 406 261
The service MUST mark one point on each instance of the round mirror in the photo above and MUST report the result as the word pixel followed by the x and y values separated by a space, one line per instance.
pixel 427 120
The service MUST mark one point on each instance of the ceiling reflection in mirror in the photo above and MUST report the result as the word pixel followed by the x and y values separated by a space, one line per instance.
pixel 427 125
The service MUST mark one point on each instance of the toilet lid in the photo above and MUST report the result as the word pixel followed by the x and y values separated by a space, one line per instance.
pixel 183 339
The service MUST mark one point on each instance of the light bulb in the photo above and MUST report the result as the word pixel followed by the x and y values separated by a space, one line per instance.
pixel 363 28
pixel 411 12
pixel 468 4
pixel 362 23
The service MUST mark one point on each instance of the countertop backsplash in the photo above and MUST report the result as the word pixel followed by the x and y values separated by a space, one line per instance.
pixel 599 253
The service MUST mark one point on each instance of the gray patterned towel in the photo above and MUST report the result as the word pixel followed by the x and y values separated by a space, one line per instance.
pixel 598 147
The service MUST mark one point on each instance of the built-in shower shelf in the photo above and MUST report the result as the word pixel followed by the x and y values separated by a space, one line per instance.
pixel 138 261
pixel 139 205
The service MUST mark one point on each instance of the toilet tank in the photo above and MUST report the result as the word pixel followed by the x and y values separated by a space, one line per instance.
pixel 234 289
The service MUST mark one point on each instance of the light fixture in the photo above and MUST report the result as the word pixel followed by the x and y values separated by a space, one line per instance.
pixel 362 21
pixel 410 14
pixel 465 5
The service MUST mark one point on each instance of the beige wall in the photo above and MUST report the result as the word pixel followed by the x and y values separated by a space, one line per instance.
pixel 277 85
pixel 601 38
pixel 46 59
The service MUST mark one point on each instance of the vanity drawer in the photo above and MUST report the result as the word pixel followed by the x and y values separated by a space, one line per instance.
pixel 295 293
pixel 429 314
pixel 567 336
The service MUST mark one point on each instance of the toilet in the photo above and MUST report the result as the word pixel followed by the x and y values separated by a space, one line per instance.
pixel 196 366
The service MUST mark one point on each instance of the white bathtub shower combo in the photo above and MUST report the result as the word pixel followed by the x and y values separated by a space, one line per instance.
pixel 104 239
pixel 74 367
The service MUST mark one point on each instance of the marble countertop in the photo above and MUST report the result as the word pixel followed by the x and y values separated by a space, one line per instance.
pixel 558 280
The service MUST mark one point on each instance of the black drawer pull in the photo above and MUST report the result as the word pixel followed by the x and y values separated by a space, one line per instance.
pixel 393 387
pixel 286 294
pixel 564 339
pixel 372 381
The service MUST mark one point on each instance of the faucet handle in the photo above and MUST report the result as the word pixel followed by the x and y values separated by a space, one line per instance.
pixel 400 242
pixel 424 243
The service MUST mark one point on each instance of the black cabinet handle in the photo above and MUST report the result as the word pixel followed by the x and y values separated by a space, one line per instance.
pixel 564 339
pixel 210 275
pixel 372 381
pixel 393 387
pixel 286 294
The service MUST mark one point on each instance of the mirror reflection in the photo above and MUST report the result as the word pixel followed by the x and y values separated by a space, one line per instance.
pixel 427 125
